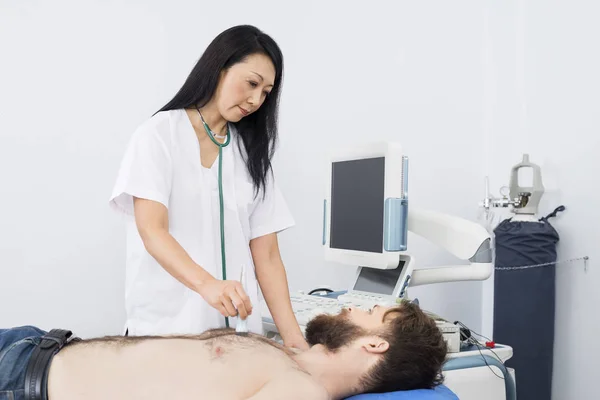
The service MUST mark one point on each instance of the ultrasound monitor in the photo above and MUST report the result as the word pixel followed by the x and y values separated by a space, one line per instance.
pixel 366 206
pixel 357 201
pixel 365 219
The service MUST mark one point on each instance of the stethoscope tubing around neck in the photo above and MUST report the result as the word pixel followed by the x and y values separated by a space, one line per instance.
pixel 211 135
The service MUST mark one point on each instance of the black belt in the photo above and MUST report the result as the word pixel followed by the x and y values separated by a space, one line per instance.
pixel 36 376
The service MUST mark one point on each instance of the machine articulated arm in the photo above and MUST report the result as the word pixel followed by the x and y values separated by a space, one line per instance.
pixel 464 239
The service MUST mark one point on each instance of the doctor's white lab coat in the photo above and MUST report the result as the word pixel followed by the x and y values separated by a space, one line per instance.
pixel 162 163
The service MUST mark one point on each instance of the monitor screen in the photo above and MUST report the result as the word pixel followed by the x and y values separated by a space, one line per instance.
pixel 381 281
pixel 357 205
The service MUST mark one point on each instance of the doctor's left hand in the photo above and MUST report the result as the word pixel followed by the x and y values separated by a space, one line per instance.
pixel 226 296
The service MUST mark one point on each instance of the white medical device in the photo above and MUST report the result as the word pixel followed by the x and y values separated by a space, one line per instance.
pixel 365 225
pixel 364 221
pixel 451 334
pixel 367 218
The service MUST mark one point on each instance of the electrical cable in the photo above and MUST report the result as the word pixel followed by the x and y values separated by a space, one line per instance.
pixel 471 340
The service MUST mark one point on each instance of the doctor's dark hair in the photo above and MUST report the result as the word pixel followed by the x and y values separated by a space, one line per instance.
pixel 258 131
pixel 416 354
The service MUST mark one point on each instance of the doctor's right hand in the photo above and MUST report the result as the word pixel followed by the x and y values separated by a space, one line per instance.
pixel 226 296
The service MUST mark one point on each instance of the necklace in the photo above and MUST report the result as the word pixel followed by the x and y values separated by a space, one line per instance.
pixel 210 130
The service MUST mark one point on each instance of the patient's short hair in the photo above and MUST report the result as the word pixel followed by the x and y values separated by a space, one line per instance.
pixel 415 356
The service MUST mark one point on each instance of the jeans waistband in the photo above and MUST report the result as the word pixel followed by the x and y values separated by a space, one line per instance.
pixel 36 376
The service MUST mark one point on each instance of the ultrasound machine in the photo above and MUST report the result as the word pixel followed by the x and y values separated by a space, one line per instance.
pixel 366 220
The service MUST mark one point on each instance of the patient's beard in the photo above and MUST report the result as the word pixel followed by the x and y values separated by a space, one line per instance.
pixel 332 331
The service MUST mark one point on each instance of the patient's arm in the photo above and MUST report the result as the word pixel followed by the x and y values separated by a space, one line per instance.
pixel 291 386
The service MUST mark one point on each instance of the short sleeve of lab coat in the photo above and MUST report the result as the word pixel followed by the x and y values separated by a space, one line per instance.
pixel 145 171
pixel 271 214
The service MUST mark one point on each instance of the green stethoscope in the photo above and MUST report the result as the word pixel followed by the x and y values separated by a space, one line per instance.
pixel 227 137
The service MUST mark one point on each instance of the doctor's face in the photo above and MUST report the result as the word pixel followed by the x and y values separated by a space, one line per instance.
pixel 244 87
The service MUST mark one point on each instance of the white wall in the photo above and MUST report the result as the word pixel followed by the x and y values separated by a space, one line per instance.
pixel 78 77
pixel 542 86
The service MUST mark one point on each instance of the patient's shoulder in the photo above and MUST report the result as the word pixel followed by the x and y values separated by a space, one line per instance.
pixel 291 385
pixel 317 392
pixel 307 387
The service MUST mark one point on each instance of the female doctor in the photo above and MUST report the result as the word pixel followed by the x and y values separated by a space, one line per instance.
pixel 197 185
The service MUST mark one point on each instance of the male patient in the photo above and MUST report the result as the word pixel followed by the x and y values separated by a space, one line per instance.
pixel 385 349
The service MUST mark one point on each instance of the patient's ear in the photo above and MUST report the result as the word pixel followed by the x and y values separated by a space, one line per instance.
pixel 375 345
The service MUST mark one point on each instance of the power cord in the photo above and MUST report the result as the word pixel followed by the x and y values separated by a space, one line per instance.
pixel 466 335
